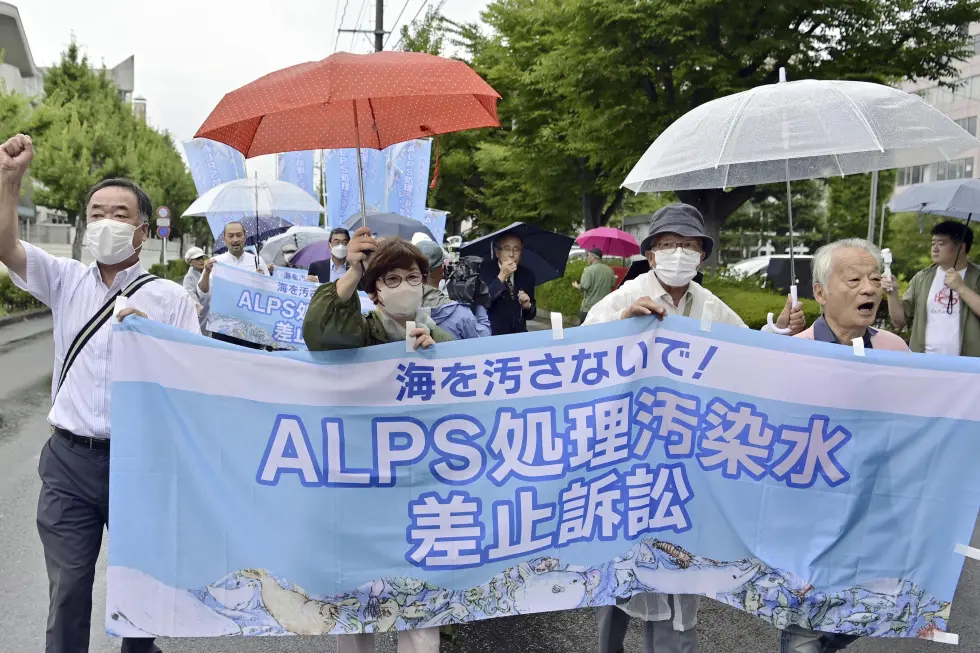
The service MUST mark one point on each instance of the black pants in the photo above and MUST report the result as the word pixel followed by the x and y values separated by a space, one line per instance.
pixel 72 511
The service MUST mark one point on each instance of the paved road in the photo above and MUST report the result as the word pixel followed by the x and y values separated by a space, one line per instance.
pixel 24 395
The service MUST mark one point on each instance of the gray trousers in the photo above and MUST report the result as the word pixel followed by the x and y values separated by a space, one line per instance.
pixel 658 636
pixel 72 511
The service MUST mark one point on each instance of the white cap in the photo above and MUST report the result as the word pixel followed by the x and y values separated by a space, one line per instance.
pixel 419 237
pixel 193 253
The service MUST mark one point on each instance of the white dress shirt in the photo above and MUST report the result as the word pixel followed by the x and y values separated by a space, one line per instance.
pixel 75 292
pixel 247 261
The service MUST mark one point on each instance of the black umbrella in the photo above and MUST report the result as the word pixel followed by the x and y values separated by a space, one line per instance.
pixel 545 252
pixel 389 225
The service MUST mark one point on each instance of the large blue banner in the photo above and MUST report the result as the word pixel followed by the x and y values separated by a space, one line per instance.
pixel 343 194
pixel 373 489
pixel 408 178
pixel 262 309
pixel 297 168
pixel 436 222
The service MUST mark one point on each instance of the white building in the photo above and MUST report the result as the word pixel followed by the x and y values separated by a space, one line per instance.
pixel 963 106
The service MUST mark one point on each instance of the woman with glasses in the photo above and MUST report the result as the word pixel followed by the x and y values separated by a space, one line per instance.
pixel 511 287
pixel 391 272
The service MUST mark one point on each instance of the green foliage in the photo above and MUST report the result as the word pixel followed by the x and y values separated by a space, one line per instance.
pixel 559 296
pixel 765 217
pixel 910 248
pixel 13 299
pixel 587 85
pixel 84 133
pixel 848 200
pixel 174 270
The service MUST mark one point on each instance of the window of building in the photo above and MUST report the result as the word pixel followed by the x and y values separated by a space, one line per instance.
pixel 976 44
pixel 969 124
pixel 909 176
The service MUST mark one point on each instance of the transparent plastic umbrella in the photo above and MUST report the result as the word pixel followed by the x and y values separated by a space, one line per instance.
pixel 797 130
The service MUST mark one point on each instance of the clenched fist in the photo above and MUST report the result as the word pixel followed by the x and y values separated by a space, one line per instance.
pixel 15 158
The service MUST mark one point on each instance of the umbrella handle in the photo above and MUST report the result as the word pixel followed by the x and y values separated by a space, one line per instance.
pixel 769 319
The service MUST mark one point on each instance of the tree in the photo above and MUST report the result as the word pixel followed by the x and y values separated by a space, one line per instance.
pixel 848 201
pixel 84 133
pixel 589 84
pixel 764 217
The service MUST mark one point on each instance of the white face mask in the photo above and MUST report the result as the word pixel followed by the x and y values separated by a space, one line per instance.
pixel 339 251
pixel 110 241
pixel 403 301
pixel 677 268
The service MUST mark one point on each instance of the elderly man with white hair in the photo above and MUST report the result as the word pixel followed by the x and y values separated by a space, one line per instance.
pixel 847 285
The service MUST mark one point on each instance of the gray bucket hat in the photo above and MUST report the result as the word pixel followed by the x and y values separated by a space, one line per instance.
pixel 680 219
pixel 433 252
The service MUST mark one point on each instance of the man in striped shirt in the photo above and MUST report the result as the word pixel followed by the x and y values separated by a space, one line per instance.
pixel 73 508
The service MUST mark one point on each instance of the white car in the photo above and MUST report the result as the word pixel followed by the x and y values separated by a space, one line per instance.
pixel 760 264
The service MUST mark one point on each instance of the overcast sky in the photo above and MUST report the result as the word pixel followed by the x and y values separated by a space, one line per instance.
pixel 189 53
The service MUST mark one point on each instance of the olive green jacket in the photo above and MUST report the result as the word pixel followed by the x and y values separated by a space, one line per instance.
pixel 915 304
pixel 331 324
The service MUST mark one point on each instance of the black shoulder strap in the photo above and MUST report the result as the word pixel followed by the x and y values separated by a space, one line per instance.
pixel 93 325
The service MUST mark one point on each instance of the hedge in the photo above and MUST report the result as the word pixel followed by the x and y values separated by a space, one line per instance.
pixel 173 270
pixel 13 299
pixel 752 303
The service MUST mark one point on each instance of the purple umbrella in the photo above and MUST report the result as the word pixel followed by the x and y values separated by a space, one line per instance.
pixel 312 253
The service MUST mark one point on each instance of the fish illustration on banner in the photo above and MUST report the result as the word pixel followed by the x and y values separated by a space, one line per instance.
pixel 297 168
pixel 343 193
pixel 408 177
pixel 374 489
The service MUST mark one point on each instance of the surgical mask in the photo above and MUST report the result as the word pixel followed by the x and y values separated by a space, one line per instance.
pixel 110 241
pixel 288 256
pixel 403 301
pixel 677 268
pixel 339 251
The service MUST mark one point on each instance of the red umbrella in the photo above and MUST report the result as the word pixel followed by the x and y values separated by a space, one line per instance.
pixel 612 242
pixel 353 100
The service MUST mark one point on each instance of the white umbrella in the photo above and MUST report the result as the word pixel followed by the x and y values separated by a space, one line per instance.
pixel 956 198
pixel 298 237
pixel 259 200
pixel 797 130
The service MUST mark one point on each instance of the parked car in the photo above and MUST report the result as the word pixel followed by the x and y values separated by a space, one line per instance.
pixel 773 272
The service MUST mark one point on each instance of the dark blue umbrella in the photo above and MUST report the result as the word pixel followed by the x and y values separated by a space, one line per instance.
pixel 388 225
pixel 256 230
pixel 545 252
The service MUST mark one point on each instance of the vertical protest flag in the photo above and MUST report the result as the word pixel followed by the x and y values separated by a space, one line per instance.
pixel 436 222
pixel 408 178
pixel 297 168
pixel 212 164
pixel 343 193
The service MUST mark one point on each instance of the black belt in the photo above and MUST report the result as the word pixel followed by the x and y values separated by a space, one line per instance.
pixel 96 444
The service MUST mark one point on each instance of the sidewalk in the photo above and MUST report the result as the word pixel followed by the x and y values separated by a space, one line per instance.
pixel 26 348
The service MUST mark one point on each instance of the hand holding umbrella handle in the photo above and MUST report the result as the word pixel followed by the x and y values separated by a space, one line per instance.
pixel 772 325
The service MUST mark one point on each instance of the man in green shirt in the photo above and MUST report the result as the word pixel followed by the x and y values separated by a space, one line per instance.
pixel 942 302
pixel 597 281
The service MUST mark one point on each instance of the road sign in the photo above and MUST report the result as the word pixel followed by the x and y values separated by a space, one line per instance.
pixel 163 232
pixel 163 222
pixel 163 212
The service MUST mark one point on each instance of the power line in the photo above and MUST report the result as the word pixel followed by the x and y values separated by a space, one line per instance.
pixel 336 10
pixel 357 24
pixel 415 18
pixel 342 16
pixel 395 24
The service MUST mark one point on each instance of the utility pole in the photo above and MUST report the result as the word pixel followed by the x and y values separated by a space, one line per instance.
pixel 379 27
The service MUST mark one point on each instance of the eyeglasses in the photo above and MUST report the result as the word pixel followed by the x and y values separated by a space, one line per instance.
pixel 394 280
pixel 511 250
pixel 670 248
